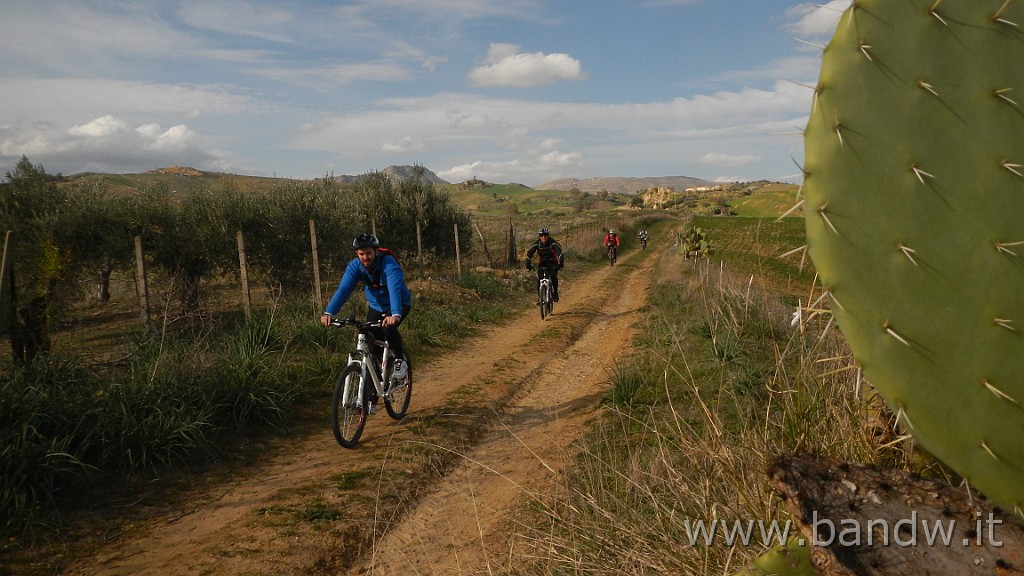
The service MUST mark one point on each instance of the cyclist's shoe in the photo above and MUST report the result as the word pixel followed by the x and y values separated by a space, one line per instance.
pixel 401 370
pixel 555 297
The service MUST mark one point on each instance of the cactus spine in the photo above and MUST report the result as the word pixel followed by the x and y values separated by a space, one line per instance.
pixel 914 183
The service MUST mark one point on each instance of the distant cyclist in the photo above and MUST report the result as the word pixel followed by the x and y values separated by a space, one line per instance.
pixel 549 256
pixel 642 235
pixel 386 292
pixel 611 242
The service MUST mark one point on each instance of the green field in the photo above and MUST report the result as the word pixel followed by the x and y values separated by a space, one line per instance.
pixel 770 202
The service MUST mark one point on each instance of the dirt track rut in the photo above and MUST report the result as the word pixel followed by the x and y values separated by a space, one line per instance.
pixel 541 380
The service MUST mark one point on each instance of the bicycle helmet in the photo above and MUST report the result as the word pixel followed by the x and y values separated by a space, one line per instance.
pixel 365 241
pixel 543 232
pixel 610 231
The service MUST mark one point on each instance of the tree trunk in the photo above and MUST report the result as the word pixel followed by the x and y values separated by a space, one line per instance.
pixel 103 288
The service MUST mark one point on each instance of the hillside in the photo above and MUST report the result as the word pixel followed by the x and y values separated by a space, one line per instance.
pixel 397 173
pixel 623 185
pixel 174 176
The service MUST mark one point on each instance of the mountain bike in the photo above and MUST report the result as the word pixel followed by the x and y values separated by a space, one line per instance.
pixel 545 292
pixel 365 380
pixel 611 254
pixel 643 243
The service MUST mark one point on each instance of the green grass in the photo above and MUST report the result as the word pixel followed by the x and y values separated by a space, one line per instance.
pixel 770 202
pixel 759 247
pixel 183 397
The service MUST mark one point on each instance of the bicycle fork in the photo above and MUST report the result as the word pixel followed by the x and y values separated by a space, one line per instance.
pixel 368 373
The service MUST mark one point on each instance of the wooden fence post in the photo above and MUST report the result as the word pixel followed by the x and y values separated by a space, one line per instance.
pixel 7 273
pixel 318 300
pixel 8 308
pixel 511 256
pixel 141 285
pixel 243 272
pixel 419 245
pixel 458 257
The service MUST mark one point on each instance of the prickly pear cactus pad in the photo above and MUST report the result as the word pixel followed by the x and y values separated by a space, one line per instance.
pixel 914 203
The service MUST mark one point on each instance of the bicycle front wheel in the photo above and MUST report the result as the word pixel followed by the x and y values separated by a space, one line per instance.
pixel 545 300
pixel 396 401
pixel 349 414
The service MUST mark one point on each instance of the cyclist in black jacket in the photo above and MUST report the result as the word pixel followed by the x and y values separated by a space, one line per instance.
pixel 549 255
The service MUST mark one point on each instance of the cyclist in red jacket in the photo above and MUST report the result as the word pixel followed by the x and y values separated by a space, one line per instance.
pixel 611 241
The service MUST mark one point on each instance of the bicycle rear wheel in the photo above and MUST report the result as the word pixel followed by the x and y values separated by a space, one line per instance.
pixel 348 418
pixel 396 401
pixel 545 299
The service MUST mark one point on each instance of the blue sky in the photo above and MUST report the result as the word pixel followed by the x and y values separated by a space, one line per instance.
pixel 503 90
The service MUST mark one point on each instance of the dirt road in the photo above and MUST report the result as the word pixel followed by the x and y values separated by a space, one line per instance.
pixel 535 384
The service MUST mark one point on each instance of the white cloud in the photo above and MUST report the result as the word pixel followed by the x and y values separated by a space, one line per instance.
pixel 531 141
pixel 100 127
pixel 402 145
pixel 106 144
pixel 816 21
pixel 505 65
pixel 561 159
pixel 39 37
pixel 538 167
pixel 173 139
pixel 431 63
pixel 728 160
pixel 238 18
pixel 327 77
pixel 69 100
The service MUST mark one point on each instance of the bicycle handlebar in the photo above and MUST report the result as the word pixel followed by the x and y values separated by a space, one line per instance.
pixel 351 321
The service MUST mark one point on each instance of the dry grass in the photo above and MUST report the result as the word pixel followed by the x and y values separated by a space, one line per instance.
pixel 726 385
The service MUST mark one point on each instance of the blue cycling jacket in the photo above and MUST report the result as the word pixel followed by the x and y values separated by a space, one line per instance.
pixel 384 283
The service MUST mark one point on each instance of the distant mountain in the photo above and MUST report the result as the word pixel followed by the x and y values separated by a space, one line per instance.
pixel 398 173
pixel 618 185
pixel 623 185
pixel 177 171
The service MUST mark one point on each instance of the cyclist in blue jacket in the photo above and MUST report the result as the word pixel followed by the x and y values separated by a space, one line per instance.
pixel 388 296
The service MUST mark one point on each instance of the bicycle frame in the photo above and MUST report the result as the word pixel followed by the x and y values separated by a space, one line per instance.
pixel 352 393
pixel 545 291
pixel 363 357
pixel 545 278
